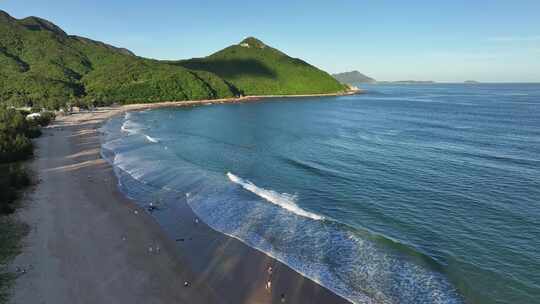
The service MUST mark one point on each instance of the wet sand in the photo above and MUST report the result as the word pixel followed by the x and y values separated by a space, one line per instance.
pixel 90 244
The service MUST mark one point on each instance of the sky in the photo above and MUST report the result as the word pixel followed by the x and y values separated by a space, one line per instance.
pixel 447 41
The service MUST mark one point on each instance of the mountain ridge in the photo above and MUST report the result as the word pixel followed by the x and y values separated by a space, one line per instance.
pixel 41 65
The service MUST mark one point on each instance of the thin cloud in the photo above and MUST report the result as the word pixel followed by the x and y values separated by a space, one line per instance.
pixel 515 38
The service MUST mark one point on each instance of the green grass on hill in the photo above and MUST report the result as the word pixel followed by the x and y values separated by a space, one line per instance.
pixel 41 65
pixel 257 69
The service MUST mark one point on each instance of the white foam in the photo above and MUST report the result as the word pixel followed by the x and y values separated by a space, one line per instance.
pixel 124 127
pixel 130 127
pixel 151 139
pixel 283 200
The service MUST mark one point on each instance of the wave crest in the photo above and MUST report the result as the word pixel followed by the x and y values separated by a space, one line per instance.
pixel 283 200
pixel 151 139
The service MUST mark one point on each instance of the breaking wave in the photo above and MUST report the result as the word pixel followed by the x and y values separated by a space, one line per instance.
pixel 151 139
pixel 283 200
pixel 131 127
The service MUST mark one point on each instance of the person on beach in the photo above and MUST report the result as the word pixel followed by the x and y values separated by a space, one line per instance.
pixel 269 281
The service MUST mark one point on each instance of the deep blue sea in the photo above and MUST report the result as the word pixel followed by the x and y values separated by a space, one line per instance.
pixel 404 194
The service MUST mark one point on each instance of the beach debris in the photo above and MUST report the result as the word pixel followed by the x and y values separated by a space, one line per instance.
pixel 124 238
pixel 187 284
pixel 268 285
pixel 196 221
pixel 282 298
pixel 269 270
pixel 154 249
pixel 136 212
pixel 23 270
pixel 180 240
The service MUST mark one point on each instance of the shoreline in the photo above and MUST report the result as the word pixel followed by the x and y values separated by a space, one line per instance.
pixel 111 111
pixel 219 268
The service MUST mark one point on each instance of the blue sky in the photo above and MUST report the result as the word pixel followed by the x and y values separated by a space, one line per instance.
pixel 456 40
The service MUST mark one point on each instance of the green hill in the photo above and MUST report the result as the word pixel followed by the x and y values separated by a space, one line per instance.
pixel 41 65
pixel 257 69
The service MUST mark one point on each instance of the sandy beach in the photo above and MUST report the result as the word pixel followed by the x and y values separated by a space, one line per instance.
pixel 90 244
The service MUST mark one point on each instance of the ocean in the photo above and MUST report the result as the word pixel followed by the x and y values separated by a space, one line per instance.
pixel 404 194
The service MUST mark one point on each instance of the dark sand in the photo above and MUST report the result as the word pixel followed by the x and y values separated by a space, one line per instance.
pixel 90 244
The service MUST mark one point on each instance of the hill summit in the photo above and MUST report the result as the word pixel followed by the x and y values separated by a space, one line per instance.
pixel 252 42
pixel 255 68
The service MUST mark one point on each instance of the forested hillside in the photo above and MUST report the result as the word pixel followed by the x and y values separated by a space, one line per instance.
pixel 257 69
pixel 42 66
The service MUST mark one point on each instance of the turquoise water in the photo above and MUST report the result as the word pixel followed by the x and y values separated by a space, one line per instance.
pixel 405 194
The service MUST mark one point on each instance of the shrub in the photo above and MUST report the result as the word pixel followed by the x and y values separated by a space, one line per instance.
pixel 14 133
pixel 13 178
pixel 45 118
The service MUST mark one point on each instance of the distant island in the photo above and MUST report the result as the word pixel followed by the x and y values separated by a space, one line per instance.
pixel 471 81
pixel 409 82
pixel 353 77
pixel 43 66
